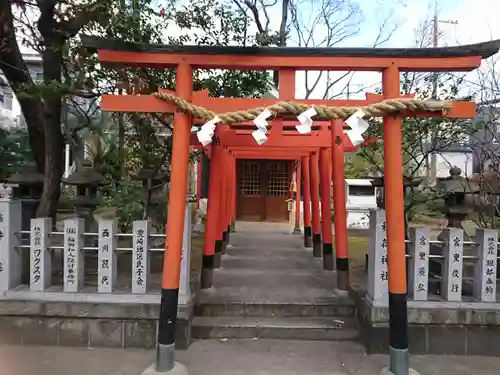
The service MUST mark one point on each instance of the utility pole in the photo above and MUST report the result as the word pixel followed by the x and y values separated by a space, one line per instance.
pixel 435 43
pixel 435 79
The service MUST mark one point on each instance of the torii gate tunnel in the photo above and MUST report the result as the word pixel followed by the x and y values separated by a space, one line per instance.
pixel 312 149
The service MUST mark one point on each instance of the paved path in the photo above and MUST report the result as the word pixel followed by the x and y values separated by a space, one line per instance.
pixel 270 268
pixel 233 357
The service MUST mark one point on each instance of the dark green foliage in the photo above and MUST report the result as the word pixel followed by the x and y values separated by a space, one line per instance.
pixel 14 152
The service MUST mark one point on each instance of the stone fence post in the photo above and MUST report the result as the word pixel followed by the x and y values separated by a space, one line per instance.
pixel 10 252
pixel 485 271
pixel 377 258
pixel 106 255
pixel 40 254
pixel 185 275
pixel 140 256
pixel 73 255
pixel 451 288
pixel 418 269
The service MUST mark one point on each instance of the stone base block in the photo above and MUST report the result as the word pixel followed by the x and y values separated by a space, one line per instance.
pixel 386 371
pixel 434 327
pixel 84 324
pixel 179 369
pixel 341 292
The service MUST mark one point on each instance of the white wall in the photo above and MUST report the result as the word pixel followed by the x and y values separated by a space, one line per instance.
pixel 446 160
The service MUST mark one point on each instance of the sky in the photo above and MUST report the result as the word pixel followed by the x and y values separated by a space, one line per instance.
pixel 476 21
pixel 473 21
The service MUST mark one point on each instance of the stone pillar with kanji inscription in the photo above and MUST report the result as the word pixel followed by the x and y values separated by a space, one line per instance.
pixel 140 256
pixel 184 284
pixel 485 272
pixel 451 289
pixel 73 254
pixel 40 256
pixel 377 258
pixel 106 256
pixel 418 284
pixel 10 252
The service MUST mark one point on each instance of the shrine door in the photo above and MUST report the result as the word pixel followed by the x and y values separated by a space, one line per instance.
pixel 263 188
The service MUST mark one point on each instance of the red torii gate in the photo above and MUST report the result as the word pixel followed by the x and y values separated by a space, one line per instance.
pixel 282 133
pixel 390 61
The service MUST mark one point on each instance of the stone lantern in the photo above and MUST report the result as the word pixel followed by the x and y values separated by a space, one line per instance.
pixel 87 181
pixel 457 207
pixel 27 187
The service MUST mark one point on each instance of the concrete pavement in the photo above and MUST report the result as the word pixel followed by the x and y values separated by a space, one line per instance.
pixel 233 357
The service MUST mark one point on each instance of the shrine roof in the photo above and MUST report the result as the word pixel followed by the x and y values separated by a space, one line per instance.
pixel 484 50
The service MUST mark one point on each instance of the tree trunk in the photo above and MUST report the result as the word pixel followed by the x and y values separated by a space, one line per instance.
pixel 121 144
pixel 54 165
pixel 19 79
pixel 54 139
pixel 282 35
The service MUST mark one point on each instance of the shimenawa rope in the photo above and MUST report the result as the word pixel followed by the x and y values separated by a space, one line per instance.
pixel 380 109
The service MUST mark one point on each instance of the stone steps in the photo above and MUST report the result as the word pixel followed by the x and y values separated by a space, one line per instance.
pixel 311 329
pixel 268 263
pixel 267 252
pixel 270 287
pixel 341 308
pixel 301 277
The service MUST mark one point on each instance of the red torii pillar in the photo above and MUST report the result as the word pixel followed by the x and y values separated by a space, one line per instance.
pixel 316 226
pixel 307 202
pixel 298 200
pixel 326 212
pixel 339 206
pixel 220 211
pixel 175 226
pixel 234 192
pixel 227 191
pixel 213 205
pixel 199 173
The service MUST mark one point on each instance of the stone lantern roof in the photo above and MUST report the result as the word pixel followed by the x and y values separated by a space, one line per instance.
pixel 28 176
pixel 85 176
pixel 455 183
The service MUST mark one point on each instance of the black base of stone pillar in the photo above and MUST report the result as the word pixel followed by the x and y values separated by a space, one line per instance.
pixel 225 241
pixel 343 273
pixel 218 254
pixel 207 271
pixel 317 245
pixel 178 369
pixel 297 231
pixel 327 257
pixel 308 237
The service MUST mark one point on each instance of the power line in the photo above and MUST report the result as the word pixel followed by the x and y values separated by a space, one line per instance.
pixel 435 42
